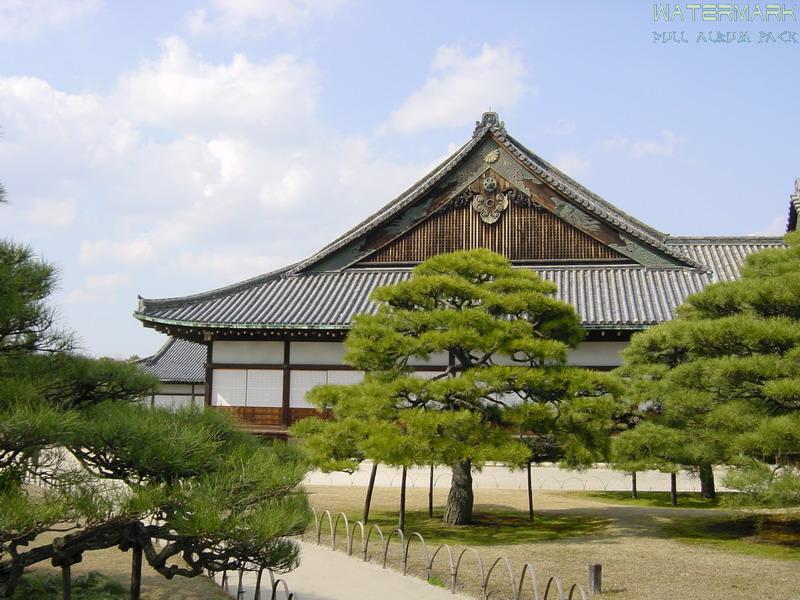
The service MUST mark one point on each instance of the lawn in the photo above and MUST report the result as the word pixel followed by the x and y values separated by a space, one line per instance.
pixel 490 527
pixel 654 499
pixel 775 536
pixel 647 548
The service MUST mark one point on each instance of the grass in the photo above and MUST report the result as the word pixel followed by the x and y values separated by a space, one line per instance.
pixel 91 586
pixel 489 527
pixel 654 499
pixel 763 535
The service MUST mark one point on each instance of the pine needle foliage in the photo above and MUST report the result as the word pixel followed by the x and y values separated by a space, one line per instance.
pixel 83 460
pixel 506 389
pixel 720 385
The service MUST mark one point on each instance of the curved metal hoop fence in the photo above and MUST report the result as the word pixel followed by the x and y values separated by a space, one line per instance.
pixel 525 586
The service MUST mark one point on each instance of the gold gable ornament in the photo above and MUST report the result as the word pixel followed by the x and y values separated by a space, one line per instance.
pixel 491 203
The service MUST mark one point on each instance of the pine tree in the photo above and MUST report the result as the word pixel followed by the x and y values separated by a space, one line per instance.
pixel 725 375
pixel 507 337
pixel 110 472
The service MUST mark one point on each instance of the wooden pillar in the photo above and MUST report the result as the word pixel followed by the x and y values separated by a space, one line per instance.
pixel 136 572
pixel 595 579
pixel 286 411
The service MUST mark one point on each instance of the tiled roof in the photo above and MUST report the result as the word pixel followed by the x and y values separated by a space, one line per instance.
pixel 178 361
pixel 606 296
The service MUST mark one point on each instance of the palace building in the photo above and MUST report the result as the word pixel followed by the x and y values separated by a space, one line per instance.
pixel 257 347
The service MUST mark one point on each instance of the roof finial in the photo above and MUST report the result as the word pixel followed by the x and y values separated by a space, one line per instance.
pixel 489 120
pixel 797 188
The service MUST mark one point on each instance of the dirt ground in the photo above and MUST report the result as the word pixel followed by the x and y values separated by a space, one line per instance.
pixel 638 562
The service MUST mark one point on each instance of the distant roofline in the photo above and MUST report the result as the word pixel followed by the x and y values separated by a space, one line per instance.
pixel 724 239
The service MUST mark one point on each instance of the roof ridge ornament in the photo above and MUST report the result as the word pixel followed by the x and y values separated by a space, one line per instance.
pixel 489 120
pixel 797 188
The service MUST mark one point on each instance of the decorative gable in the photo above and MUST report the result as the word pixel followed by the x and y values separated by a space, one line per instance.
pixel 486 177
pixel 492 213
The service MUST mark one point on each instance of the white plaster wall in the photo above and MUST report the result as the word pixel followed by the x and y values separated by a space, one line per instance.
pixel 302 382
pixel 597 354
pixel 345 377
pixel 178 388
pixel 229 387
pixel 316 353
pixel 247 352
pixel 171 402
pixel 264 388
pixel 437 359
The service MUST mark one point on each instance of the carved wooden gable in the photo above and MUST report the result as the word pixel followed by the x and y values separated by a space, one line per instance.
pixel 494 195
pixel 491 213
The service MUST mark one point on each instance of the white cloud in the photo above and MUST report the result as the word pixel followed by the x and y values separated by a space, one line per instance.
pixel 24 19
pixel 96 287
pixel 183 193
pixel 54 214
pixel 180 91
pixel 228 265
pixel 258 17
pixel 460 88
pixel 777 226
pixel 666 145
pixel 572 164
pixel 148 164
pixel 136 251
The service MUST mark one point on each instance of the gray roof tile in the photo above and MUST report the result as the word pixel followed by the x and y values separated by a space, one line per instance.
pixel 606 296
pixel 178 361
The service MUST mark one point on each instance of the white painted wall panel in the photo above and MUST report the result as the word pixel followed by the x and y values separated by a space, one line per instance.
pixel 597 354
pixel 264 388
pixel 171 402
pixel 251 353
pixel 302 383
pixel 177 388
pixel 437 359
pixel 229 387
pixel 316 353
pixel 345 377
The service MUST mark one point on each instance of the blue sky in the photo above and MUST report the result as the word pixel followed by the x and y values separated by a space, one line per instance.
pixel 165 148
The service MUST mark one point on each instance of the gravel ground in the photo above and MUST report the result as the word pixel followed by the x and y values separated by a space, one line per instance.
pixel 638 563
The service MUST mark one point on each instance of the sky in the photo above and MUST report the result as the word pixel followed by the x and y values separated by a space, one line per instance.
pixel 167 148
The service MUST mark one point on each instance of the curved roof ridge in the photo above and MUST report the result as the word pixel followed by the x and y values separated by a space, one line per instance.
pixel 727 239
pixel 149 360
pixel 400 202
pixel 656 233
pixel 596 204
pixel 144 303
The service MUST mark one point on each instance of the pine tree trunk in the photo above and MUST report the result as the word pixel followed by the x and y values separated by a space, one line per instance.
pixel 430 494
pixel 634 491
pixel 530 493
pixel 370 487
pixel 673 489
pixel 707 487
pixel 401 525
pixel 460 498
